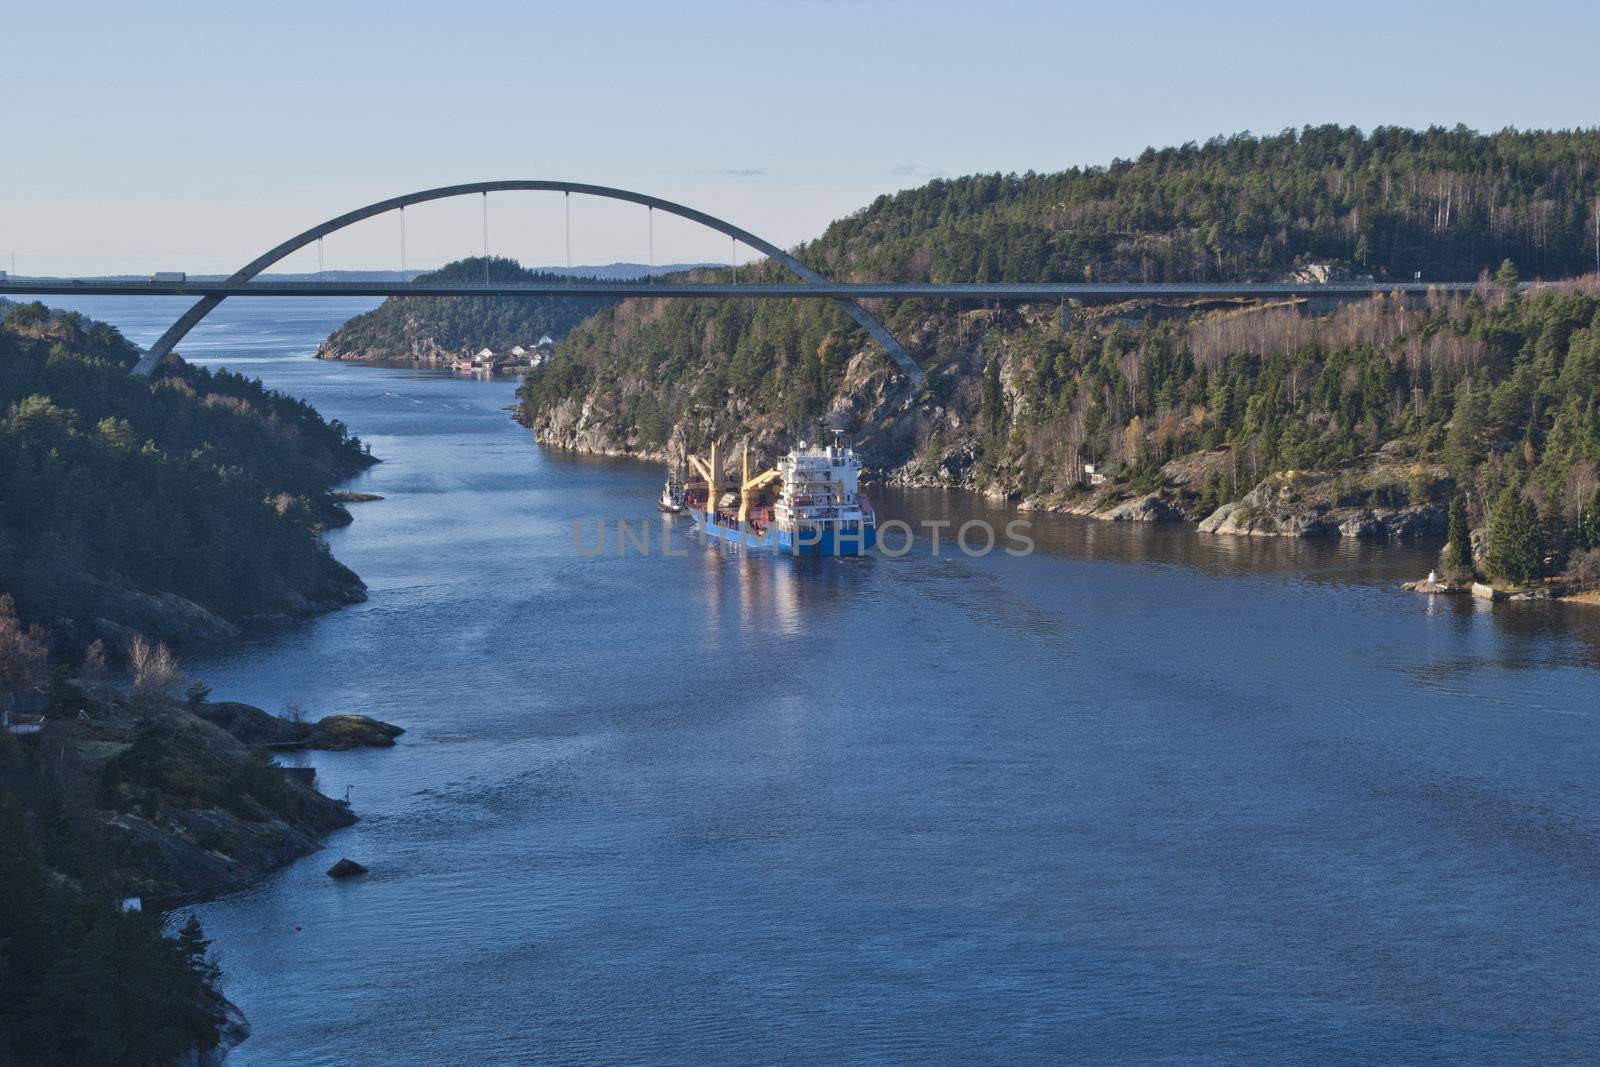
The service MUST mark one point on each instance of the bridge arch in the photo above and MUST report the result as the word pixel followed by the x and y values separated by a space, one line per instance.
pixel 203 307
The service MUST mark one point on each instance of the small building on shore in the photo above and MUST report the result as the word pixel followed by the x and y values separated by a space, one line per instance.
pixel 23 713
pixel 19 725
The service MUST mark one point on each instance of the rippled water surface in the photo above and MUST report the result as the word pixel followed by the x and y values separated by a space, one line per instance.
pixel 1144 795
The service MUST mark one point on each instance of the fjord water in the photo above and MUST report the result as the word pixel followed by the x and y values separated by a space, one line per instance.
pixel 1142 795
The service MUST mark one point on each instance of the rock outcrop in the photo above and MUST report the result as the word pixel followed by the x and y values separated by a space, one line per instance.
pixel 253 726
pixel 1380 503
pixel 339 732
pixel 192 810
pixel 346 868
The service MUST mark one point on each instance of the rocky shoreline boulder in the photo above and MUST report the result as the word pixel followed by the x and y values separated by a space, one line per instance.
pixel 1150 507
pixel 1378 504
pixel 346 868
pixel 336 733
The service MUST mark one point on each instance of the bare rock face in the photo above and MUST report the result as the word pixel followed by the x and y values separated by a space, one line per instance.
pixel 125 612
pixel 192 811
pixel 250 724
pixel 1435 586
pixel 1151 507
pixel 1379 504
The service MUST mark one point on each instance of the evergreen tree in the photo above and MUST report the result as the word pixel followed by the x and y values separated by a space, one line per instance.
pixel 1512 548
pixel 1506 277
pixel 194 949
pixel 1462 443
pixel 1589 522
pixel 1458 553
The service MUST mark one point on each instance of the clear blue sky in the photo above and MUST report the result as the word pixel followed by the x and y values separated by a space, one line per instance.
pixel 193 136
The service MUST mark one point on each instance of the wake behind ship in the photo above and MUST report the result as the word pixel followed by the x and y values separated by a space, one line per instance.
pixel 809 504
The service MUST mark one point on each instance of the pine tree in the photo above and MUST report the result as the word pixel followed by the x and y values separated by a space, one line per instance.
pixel 1512 549
pixel 1462 448
pixel 1506 277
pixel 194 949
pixel 1458 553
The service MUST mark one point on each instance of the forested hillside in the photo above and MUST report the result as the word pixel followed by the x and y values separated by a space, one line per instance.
pixel 435 328
pixel 1195 407
pixel 173 507
pixel 1448 203
pixel 133 509
pixel 82 981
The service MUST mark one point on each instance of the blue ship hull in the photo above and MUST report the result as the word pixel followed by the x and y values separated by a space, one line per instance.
pixel 787 542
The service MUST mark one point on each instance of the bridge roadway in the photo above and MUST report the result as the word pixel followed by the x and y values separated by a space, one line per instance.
pixel 1011 291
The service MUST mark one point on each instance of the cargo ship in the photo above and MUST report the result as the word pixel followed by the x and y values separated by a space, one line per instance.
pixel 809 504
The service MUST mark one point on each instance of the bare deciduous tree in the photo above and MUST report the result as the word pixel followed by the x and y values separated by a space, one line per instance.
pixel 155 669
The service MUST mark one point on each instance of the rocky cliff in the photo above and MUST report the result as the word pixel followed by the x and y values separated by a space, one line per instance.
pixel 937 436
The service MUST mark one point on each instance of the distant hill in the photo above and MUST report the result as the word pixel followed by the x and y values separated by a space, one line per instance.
pixel 436 329
pixel 609 272
pixel 606 272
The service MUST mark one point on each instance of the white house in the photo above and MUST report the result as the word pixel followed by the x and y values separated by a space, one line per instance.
pixel 1092 475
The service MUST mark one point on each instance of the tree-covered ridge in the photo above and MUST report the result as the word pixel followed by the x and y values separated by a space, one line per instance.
pixel 199 483
pixel 442 326
pixel 1501 390
pixel 1450 203
pixel 82 981
pixel 660 363
pixel 1446 202
pixel 1497 396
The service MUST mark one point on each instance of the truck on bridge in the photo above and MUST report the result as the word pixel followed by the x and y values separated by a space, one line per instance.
pixel 169 276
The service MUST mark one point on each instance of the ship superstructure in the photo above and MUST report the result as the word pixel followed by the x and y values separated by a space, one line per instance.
pixel 810 503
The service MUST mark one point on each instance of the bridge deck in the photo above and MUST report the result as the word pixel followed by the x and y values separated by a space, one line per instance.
pixel 1100 291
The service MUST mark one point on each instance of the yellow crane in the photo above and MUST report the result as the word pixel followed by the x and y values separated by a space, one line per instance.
pixel 749 487
pixel 711 470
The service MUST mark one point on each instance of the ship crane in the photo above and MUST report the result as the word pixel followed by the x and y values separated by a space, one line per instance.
pixel 748 487
pixel 710 469
pixel 752 486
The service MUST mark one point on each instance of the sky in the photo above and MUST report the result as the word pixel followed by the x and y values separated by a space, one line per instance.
pixel 168 136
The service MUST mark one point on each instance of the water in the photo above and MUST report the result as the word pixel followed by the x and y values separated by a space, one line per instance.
pixel 1142 796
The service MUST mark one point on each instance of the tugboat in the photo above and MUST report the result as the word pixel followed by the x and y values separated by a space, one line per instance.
pixel 809 504
pixel 673 494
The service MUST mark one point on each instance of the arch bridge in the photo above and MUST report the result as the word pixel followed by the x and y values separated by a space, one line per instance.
pixel 209 302
pixel 811 284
